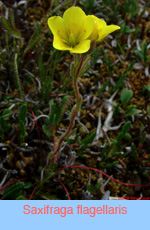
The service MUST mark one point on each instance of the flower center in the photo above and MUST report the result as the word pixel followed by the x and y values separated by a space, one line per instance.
pixel 72 39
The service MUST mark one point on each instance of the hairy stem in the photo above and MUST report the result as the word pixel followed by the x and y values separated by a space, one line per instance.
pixel 75 82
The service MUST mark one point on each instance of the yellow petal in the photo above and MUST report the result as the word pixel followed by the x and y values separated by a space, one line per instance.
pixel 60 44
pixel 86 28
pixel 56 25
pixel 107 30
pixel 100 23
pixel 104 30
pixel 76 25
pixel 73 15
pixel 94 35
pixel 82 47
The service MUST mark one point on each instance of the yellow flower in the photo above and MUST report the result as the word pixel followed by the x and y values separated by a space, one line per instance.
pixel 101 29
pixel 75 30
pixel 71 31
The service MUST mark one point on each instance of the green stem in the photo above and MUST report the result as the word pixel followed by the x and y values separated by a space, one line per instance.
pixel 56 153
pixel 75 82
pixel 80 66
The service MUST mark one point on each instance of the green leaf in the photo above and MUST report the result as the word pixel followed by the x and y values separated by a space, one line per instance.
pixel 86 141
pixel 127 136
pixel 140 54
pixel 123 131
pixel 112 164
pixel 14 191
pixel 130 67
pixel 126 29
pixel 113 141
pixel 10 28
pixel 52 115
pixel 4 127
pixel 46 130
pixel 6 114
pixel 16 76
pixel 120 82
pixel 28 185
pixel 58 115
pixel 97 186
pixel 22 113
pixel 126 95
pixel 22 128
pixel 131 110
pixel 126 127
